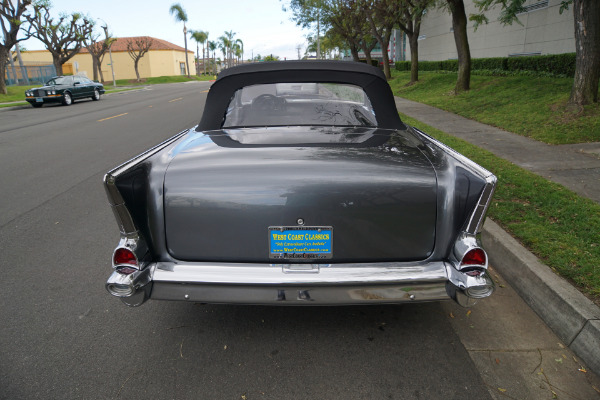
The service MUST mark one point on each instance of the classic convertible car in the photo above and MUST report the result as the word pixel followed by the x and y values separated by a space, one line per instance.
pixel 300 186
pixel 65 90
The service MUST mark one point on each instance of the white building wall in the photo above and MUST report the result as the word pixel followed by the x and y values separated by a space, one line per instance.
pixel 543 31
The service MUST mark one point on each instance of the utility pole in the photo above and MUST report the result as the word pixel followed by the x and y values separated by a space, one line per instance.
pixel 298 48
pixel 112 68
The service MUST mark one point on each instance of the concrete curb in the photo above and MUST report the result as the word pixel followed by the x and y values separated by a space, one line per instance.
pixel 573 317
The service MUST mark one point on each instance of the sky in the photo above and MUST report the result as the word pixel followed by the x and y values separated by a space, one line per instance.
pixel 261 24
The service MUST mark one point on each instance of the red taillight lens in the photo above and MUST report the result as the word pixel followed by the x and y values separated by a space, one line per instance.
pixel 474 257
pixel 124 256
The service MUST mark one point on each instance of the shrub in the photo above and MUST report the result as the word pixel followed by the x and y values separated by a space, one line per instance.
pixel 547 65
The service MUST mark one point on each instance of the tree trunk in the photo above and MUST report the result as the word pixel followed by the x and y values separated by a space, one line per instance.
pixel 198 58
pixel 137 73
pixel 413 40
pixel 459 24
pixel 95 67
pixel 58 65
pixel 187 65
pixel 24 74
pixel 354 52
pixel 385 43
pixel 3 59
pixel 586 14
pixel 203 59
pixel 12 66
pixel 100 71
pixel 367 52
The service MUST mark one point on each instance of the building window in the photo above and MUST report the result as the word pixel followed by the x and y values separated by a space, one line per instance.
pixel 536 6
pixel 182 68
pixel 533 53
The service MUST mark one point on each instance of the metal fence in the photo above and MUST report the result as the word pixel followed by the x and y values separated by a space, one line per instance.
pixel 36 74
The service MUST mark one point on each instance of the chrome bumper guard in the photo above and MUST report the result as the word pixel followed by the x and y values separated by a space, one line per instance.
pixel 305 284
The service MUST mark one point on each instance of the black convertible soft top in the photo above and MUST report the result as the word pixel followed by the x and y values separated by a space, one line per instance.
pixel 370 79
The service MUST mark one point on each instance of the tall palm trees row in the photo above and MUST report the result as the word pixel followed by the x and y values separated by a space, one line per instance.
pixel 232 48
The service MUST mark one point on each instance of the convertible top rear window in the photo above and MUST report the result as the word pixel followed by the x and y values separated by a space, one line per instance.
pixel 281 104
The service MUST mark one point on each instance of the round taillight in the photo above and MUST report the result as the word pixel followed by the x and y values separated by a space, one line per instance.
pixel 474 257
pixel 124 256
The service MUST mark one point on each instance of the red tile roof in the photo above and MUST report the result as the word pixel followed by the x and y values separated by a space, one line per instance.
pixel 120 44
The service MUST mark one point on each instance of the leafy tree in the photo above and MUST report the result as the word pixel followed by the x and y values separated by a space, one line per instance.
pixel 181 16
pixel 271 57
pixel 226 45
pixel 586 15
pixel 237 52
pixel 409 19
pixel 64 37
pixel 307 13
pixel 239 42
pixel 348 20
pixel 11 21
pixel 137 48
pixel 200 37
pixel 212 46
pixel 97 49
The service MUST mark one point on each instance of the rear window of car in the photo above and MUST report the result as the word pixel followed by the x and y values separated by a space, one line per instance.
pixel 283 104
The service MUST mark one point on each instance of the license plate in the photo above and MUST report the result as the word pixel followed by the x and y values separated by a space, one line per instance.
pixel 39 100
pixel 301 242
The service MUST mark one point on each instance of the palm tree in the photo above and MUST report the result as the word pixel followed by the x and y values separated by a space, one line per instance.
pixel 224 45
pixel 200 37
pixel 242 43
pixel 228 41
pixel 212 46
pixel 181 16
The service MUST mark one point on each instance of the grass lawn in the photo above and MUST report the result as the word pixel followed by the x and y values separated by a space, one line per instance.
pixel 15 93
pixel 557 225
pixel 526 105
pixel 161 79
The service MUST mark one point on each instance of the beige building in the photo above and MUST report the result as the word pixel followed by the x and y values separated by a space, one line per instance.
pixel 163 59
pixel 544 30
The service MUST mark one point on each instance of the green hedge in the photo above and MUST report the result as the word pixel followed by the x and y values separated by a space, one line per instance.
pixel 553 64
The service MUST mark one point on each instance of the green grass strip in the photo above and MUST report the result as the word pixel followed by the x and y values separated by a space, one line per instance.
pixel 529 106
pixel 162 79
pixel 558 226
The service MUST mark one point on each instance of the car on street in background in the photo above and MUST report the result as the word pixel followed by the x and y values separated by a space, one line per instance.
pixel 65 90
pixel 300 186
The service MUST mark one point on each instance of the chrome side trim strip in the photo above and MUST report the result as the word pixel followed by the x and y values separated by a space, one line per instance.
pixel 466 161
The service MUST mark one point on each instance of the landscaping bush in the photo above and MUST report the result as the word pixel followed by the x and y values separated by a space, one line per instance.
pixel 548 65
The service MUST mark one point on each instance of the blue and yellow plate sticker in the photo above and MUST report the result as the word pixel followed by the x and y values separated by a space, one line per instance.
pixel 302 242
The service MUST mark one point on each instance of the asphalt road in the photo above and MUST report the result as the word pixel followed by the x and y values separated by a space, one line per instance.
pixel 63 337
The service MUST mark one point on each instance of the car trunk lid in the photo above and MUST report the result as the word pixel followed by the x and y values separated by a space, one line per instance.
pixel 375 189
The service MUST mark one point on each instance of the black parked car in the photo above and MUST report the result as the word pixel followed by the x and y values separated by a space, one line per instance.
pixel 65 90
pixel 300 186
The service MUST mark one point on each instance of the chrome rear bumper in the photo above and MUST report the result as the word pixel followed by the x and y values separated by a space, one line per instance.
pixel 300 284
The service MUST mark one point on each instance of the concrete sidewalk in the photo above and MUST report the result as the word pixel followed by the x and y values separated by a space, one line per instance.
pixel 575 166
pixel 572 316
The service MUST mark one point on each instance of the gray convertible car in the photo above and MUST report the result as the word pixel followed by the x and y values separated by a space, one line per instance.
pixel 300 186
